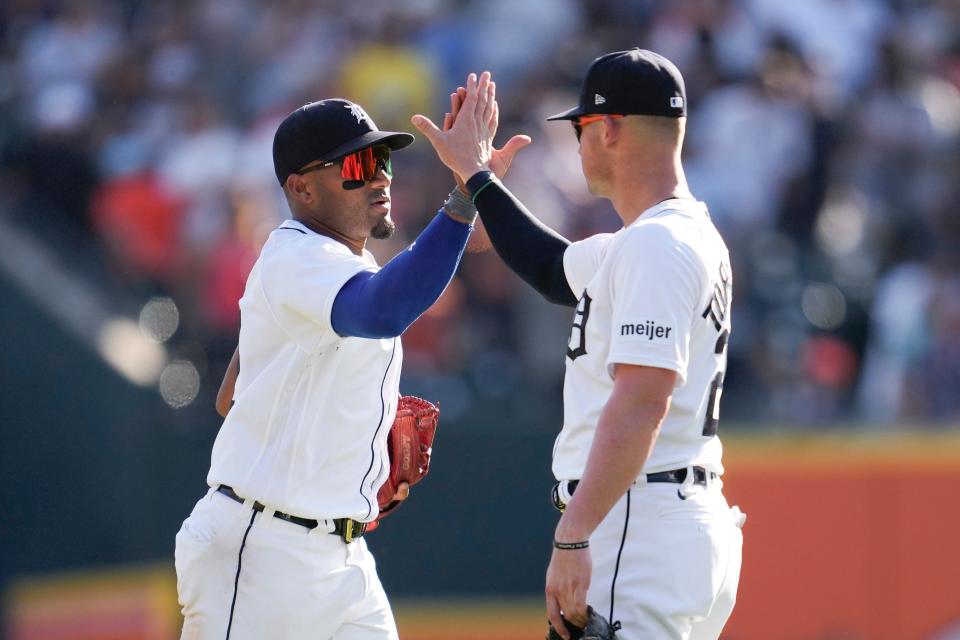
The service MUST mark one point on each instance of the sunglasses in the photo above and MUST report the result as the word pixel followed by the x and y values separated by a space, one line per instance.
pixel 359 167
pixel 581 121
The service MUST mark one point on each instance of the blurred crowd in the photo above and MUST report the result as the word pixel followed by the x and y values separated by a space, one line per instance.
pixel 823 135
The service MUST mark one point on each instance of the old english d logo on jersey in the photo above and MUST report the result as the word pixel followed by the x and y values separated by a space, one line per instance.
pixel 578 333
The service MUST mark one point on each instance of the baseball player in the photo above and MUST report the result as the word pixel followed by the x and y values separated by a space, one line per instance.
pixel 275 549
pixel 646 537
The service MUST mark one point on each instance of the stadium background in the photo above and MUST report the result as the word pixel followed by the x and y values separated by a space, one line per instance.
pixel 136 186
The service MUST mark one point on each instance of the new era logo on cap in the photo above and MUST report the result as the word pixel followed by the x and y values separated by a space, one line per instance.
pixel 676 102
pixel 598 99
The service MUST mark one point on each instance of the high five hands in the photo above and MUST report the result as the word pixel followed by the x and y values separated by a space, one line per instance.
pixel 465 144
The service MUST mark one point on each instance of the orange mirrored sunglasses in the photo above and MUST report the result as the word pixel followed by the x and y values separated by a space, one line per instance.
pixel 360 166
pixel 581 121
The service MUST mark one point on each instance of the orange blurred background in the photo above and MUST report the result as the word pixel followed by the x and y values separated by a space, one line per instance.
pixel 846 537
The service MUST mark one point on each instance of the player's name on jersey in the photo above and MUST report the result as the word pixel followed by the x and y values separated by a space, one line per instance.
pixel 648 330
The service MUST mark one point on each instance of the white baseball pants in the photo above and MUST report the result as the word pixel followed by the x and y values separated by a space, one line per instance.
pixel 666 567
pixel 246 575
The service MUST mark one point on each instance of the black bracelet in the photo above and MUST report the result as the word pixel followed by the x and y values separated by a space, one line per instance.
pixel 571 546
pixel 478 182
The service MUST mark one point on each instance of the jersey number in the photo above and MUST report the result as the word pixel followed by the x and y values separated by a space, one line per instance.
pixel 579 325
pixel 717 311
pixel 712 420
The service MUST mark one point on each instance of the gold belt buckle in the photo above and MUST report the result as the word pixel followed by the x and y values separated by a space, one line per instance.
pixel 352 529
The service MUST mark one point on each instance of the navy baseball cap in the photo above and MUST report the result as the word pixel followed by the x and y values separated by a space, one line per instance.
pixel 327 130
pixel 634 82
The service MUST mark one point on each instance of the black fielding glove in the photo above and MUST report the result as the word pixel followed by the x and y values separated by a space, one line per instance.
pixel 598 628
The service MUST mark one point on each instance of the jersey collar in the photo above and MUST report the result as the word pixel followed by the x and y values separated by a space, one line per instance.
pixel 687 206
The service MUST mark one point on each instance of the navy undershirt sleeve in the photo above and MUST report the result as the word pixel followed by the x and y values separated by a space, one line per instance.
pixel 382 304
pixel 531 249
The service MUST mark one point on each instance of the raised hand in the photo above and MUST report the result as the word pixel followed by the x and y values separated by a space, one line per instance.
pixel 467 146
pixel 500 159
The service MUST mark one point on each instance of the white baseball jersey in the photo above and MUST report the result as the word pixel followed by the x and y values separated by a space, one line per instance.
pixel 656 293
pixel 308 429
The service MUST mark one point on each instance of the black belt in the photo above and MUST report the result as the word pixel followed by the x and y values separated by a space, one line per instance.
pixel 346 528
pixel 675 476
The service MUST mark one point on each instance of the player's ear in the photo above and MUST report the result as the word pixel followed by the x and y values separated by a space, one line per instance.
pixel 298 188
pixel 612 128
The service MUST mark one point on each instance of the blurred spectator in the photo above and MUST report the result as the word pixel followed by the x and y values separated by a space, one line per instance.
pixel 897 339
pixel 938 370
pixel 822 135
pixel 73 44
pixel 393 80
pixel 748 140
pixel 508 36
pixel 837 37
pixel 228 263
pixel 714 41
pixel 140 222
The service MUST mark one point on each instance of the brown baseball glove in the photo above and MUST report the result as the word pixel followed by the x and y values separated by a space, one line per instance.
pixel 409 445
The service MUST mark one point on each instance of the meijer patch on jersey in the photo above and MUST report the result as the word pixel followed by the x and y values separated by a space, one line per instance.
pixel 646 330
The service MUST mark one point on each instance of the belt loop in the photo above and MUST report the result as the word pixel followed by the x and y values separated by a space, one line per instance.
pixel 688 487
pixel 323 528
